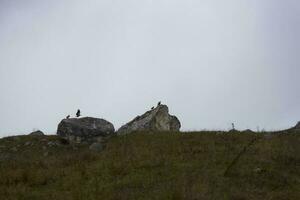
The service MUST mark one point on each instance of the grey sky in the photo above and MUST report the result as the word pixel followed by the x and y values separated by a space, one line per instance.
pixel 212 61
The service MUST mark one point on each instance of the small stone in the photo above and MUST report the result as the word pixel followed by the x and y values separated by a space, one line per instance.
pixel 259 170
pixel 46 154
pixel 27 143
pixel 51 144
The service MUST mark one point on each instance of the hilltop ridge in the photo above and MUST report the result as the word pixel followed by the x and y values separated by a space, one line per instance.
pixel 153 165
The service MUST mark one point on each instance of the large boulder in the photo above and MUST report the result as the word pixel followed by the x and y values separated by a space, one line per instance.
pixel 85 129
pixel 157 119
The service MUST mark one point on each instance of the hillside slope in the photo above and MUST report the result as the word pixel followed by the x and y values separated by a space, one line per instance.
pixel 199 165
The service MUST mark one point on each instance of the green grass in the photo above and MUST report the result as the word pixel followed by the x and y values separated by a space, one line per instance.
pixel 199 165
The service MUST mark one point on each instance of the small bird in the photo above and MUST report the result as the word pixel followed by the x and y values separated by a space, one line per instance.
pixel 152 108
pixel 78 113
pixel 159 103
pixel 68 117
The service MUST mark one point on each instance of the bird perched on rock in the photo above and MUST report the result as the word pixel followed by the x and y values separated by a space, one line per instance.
pixel 159 103
pixel 78 113
pixel 152 108
pixel 68 117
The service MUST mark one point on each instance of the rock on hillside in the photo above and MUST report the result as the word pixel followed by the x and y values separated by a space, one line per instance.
pixel 85 129
pixel 248 131
pixel 37 133
pixel 298 126
pixel 157 119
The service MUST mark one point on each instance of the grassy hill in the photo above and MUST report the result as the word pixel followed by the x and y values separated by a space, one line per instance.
pixel 199 165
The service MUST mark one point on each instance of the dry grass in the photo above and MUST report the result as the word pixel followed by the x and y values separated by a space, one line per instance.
pixel 154 166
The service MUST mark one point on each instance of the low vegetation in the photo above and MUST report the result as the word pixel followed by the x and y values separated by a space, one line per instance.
pixel 198 165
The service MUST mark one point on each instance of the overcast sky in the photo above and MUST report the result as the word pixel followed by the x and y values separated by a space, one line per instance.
pixel 212 62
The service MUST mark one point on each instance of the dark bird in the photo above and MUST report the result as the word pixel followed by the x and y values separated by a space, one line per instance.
pixel 78 113
pixel 159 103
pixel 68 117
pixel 152 108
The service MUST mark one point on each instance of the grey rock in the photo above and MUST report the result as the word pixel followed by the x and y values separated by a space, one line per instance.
pixel 27 143
pixel 247 131
pixel 259 170
pixel 37 133
pixel 297 127
pixel 84 129
pixel 51 143
pixel 157 119
pixel 96 147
